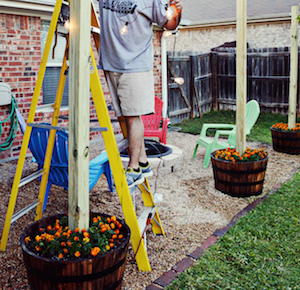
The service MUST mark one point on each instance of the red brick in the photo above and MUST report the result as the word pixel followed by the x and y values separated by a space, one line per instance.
pixel 182 265
pixel 166 278
pixel 153 287
pixel 209 242
pixel 196 254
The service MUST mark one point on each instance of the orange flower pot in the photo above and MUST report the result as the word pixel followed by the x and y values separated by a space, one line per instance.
pixel 100 272
pixel 286 142
pixel 239 179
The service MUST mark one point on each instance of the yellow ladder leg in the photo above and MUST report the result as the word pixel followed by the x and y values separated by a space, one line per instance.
pixel 117 168
pixel 25 142
pixel 51 139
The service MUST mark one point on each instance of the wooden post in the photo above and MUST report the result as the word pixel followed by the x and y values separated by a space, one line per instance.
pixel 241 74
pixel 79 99
pixel 214 80
pixel 192 86
pixel 293 68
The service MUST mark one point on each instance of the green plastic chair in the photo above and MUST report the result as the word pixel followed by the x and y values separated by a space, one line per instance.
pixel 252 113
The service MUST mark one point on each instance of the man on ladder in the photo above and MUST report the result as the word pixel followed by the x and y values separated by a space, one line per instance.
pixel 126 55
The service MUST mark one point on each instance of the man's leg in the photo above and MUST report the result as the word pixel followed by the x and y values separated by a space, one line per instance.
pixel 135 130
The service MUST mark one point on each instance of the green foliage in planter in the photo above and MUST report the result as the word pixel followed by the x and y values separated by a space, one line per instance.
pixel 56 241
pixel 262 251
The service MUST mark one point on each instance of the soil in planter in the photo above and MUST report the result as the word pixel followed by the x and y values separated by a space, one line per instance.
pixel 286 142
pixel 103 272
pixel 240 179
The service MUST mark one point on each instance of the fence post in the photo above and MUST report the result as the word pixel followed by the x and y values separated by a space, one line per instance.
pixel 214 79
pixel 192 85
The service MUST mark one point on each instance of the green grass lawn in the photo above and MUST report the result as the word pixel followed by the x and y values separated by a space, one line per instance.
pixel 262 250
pixel 260 132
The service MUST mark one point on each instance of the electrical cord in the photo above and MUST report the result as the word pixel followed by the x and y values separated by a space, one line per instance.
pixel 13 125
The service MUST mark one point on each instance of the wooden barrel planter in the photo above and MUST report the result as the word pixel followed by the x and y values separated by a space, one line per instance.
pixel 239 179
pixel 286 142
pixel 103 272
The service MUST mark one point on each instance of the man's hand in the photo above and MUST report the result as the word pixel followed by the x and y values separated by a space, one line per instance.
pixel 177 3
pixel 174 22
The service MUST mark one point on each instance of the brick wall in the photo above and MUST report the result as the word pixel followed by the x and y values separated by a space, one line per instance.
pixel 20 57
pixel 260 35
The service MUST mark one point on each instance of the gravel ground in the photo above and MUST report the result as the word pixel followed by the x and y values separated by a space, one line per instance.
pixel 191 210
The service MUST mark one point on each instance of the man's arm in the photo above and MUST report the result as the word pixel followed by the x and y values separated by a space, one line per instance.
pixel 174 21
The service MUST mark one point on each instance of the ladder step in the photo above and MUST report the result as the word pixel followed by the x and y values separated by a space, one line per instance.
pixel 98 129
pixel 122 145
pixel 24 211
pixel 59 128
pixel 142 221
pixel 45 126
pixel 31 177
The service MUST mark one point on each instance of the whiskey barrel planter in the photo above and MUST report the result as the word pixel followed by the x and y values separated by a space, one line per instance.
pixel 286 142
pixel 239 179
pixel 97 273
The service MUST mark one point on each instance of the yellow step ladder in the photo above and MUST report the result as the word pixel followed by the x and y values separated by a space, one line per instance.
pixel 136 225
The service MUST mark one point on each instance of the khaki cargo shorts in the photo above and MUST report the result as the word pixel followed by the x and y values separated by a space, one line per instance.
pixel 132 94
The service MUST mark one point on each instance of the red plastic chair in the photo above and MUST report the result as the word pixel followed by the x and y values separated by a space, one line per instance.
pixel 152 123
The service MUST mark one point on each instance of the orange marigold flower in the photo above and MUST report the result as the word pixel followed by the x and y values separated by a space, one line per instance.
pixel 95 251
pixel 113 218
pixel 69 244
pixel 77 254
pixel 65 250
pixel 120 236
pixel 76 230
pixel 49 228
pixel 60 256
pixel 41 229
pixel 107 247
pixel 111 245
pixel 112 225
pixel 38 238
pixel 62 244
pixel 76 239
pixel 86 234
pixel 27 239
pixel 38 248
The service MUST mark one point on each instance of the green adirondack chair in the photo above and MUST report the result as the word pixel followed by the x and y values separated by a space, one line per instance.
pixel 252 113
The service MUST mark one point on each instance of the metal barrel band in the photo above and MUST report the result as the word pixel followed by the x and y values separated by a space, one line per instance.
pixel 241 172
pixel 239 184
pixel 285 138
pixel 76 279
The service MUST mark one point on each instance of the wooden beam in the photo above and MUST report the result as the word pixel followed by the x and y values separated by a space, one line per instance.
pixel 293 69
pixel 241 73
pixel 79 89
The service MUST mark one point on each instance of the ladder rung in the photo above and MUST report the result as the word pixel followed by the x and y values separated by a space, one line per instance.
pixel 45 126
pixel 24 211
pixel 31 177
pixel 142 221
pixel 122 145
pixel 59 128
pixel 95 29
pixel 98 129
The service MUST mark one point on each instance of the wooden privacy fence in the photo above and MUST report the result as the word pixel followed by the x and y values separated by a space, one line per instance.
pixel 210 81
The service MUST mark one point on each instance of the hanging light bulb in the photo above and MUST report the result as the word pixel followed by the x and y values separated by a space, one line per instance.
pixel 124 29
pixel 179 80
pixel 170 13
pixel 67 24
